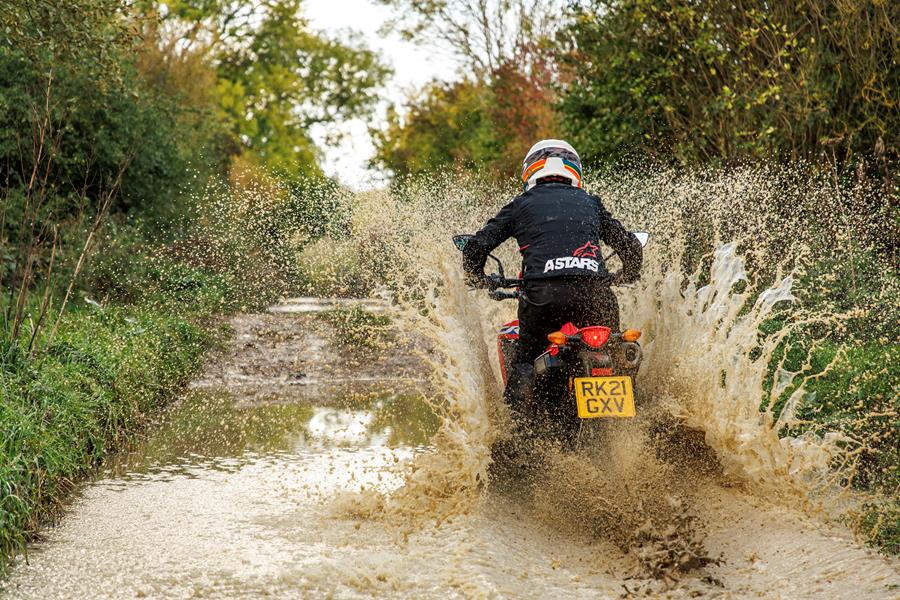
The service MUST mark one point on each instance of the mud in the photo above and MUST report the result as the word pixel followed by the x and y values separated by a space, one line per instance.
pixel 292 356
pixel 274 475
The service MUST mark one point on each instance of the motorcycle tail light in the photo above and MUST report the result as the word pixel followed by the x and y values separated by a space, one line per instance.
pixel 601 372
pixel 595 336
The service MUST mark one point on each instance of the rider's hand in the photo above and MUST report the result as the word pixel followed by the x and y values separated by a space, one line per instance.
pixel 493 281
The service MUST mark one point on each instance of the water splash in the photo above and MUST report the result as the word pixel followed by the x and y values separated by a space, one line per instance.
pixel 296 523
pixel 706 361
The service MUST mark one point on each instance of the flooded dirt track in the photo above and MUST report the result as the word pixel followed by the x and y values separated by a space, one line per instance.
pixel 268 479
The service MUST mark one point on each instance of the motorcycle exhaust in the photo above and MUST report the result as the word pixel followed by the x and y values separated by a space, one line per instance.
pixel 630 355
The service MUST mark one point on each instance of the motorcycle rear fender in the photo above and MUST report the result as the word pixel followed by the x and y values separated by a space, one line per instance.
pixel 557 357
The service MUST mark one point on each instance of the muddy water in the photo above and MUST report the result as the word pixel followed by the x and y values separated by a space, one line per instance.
pixel 268 479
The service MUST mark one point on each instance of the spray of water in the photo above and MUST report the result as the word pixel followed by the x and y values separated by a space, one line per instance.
pixel 727 252
pixel 702 474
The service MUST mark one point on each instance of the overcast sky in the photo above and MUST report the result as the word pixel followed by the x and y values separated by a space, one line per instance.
pixel 413 66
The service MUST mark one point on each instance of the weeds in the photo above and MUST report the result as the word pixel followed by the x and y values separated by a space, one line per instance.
pixel 100 378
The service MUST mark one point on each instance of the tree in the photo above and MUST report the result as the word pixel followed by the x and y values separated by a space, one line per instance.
pixel 484 34
pixel 470 124
pixel 446 125
pixel 723 81
pixel 82 135
pixel 504 101
pixel 276 78
pixel 74 108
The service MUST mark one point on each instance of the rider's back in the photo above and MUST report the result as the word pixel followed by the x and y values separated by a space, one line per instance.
pixel 557 224
pixel 559 228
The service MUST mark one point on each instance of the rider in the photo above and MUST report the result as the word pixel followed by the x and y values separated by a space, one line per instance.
pixel 558 227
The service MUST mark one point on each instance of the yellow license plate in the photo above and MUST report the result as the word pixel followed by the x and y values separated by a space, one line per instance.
pixel 603 397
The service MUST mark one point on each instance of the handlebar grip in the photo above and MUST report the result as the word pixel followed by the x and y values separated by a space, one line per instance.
pixel 501 295
pixel 495 281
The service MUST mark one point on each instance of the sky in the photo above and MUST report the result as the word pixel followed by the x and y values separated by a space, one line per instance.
pixel 413 66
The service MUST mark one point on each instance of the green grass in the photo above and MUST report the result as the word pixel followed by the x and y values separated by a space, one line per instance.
pixel 84 393
pixel 850 370
pixel 857 395
pixel 880 524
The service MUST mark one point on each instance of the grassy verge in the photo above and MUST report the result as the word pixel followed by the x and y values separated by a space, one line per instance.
pixel 849 366
pixel 857 395
pixel 86 390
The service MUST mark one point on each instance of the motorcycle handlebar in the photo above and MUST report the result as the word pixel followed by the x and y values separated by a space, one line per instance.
pixel 501 295
pixel 496 280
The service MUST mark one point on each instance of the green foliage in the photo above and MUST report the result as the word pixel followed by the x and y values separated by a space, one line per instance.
pixel 108 109
pixel 701 81
pixel 276 79
pixel 103 375
pixel 469 124
pixel 96 115
pixel 81 34
pixel 448 125
pixel 502 103
pixel 849 367
pixel 851 388
pixel 880 523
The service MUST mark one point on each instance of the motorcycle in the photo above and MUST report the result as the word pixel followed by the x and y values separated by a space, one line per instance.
pixel 586 373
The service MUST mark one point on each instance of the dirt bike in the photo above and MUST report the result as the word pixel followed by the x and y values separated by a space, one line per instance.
pixel 587 371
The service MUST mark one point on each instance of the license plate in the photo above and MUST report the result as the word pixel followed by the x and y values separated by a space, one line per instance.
pixel 604 397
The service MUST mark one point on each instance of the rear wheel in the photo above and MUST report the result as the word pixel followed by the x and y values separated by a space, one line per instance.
pixel 553 409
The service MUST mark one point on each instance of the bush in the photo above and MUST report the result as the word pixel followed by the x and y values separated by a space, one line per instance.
pixel 710 80
pixel 70 68
pixel 65 408
pixel 880 523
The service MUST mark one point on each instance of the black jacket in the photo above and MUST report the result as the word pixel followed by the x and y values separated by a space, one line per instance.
pixel 559 229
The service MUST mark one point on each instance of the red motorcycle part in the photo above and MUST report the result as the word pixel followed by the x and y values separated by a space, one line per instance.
pixel 595 336
pixel 506 339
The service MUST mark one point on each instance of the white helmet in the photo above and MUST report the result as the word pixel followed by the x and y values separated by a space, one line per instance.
pixel 550 158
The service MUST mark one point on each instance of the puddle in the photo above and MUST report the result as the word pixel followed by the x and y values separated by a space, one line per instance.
pixel 224 498
pixel 213 427
pixel 242 491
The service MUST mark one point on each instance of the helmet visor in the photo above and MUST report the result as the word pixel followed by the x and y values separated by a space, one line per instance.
pixel 569 158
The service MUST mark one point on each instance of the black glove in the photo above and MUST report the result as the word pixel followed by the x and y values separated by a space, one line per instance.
pixel 493 281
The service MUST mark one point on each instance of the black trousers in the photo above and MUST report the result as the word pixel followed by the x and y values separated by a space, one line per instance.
pixel 545 307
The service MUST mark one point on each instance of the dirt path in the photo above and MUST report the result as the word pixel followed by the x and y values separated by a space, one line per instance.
pixel 237 494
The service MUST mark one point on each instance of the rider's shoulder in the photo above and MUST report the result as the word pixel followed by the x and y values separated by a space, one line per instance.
pixel 542 192
pixel 594 197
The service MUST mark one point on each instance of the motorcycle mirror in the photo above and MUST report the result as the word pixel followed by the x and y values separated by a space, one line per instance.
pixel 461 240
pixel 643 237
pixel 499 265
